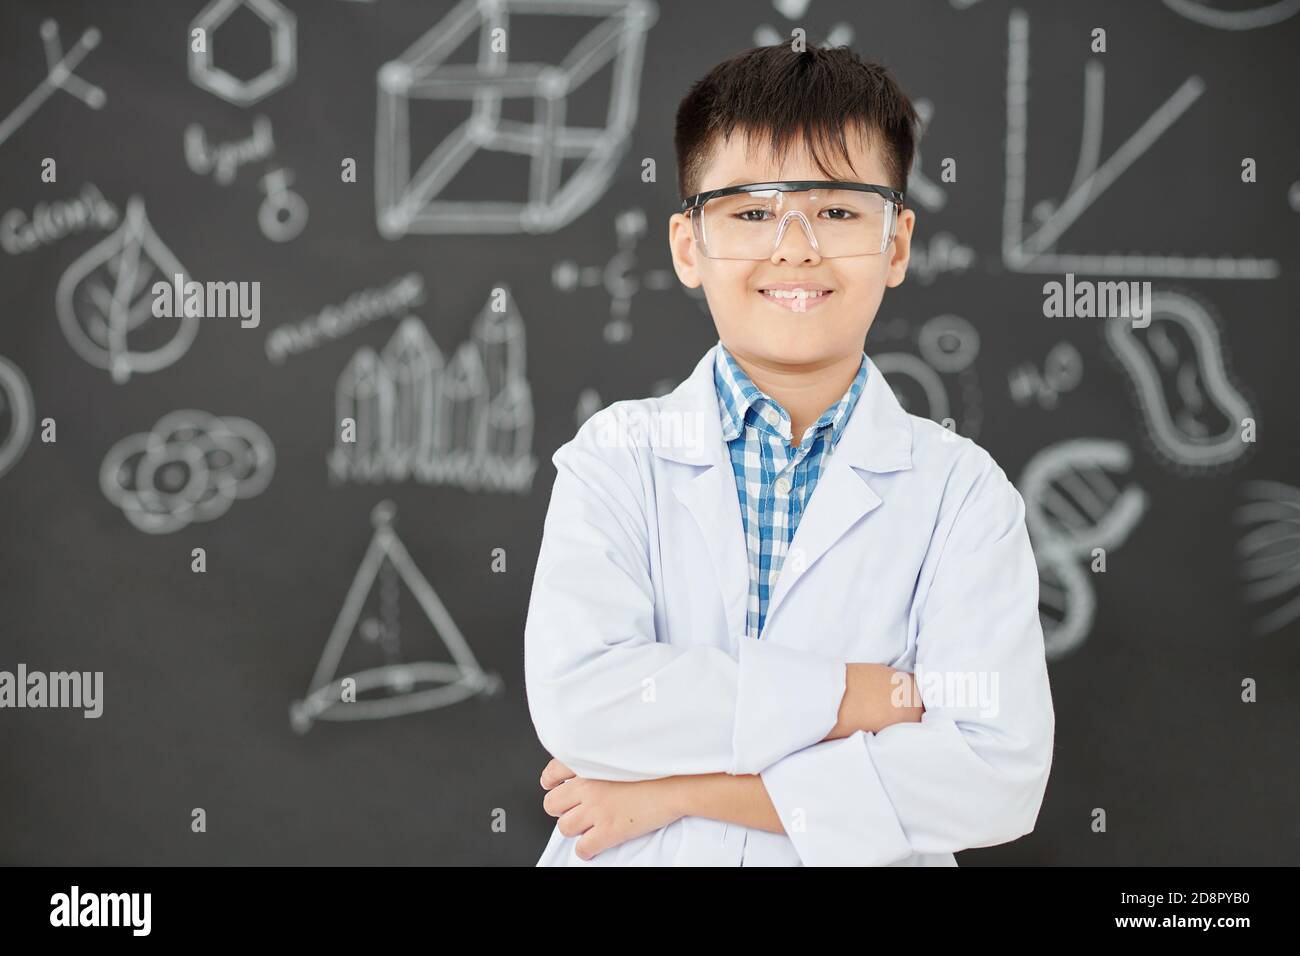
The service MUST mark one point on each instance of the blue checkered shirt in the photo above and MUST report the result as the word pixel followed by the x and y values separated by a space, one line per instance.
pixel 774 481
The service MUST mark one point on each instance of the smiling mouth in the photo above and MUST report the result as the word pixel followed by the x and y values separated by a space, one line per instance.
pixel 796 300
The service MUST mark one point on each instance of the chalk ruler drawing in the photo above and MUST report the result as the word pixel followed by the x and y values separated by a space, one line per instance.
pixel 1270 551
pixel 284 52
pixel 408 202
pixel 935 378
pixel 191 466
pixel 840 34
pixel 1192 408
pixel 619 276
pixel 17 414
pixel 1263 16
pixel 59 75
pixel 103 301
pixel 396 686
pixel 467 421
pixel 1072 507
pixel 1037 252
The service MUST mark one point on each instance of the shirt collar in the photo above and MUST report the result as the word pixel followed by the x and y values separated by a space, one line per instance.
pixel 738 395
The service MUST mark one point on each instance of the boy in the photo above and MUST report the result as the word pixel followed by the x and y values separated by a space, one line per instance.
pixel 731 670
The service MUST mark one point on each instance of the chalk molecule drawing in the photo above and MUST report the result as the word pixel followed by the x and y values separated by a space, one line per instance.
pixel 1270 551
pixel 59 75
pixel 103 301
pixel 284 51
pixel 408 201
pixel 397 686
pixel 17 414
pixel 467 421
pixel 1192 408
pixel 191 466
pixel 1036 251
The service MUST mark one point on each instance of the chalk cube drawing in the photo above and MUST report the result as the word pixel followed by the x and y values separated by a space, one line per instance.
pixel 408 189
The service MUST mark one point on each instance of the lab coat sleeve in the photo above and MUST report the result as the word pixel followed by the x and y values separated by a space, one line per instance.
pixel 966 775
pixel 606 697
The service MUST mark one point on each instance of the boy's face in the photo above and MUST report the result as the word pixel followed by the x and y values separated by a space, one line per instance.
pixel 753 325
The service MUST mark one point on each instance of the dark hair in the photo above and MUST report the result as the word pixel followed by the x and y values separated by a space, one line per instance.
pixel 775 94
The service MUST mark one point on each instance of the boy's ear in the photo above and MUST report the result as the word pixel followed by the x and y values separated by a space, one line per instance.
pixel 682 246
pixel 901 250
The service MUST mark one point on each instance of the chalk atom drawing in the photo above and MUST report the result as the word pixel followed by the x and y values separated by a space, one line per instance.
pixel 17 414
pixel 1192 408
pixel 1270 551
pixel 931 369
pixel 408 201
pixel 397 685
pixel 284 52
pixel 1036 252
pixel 466 421
pixel 58 76
pixel 191 466
pixel 105 305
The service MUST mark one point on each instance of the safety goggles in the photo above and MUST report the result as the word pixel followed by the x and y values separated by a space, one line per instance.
pixel 838 218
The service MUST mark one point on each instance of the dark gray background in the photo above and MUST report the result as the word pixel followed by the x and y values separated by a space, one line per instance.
pixel 200 669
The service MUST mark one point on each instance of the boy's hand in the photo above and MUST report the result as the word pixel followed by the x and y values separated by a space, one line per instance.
pixel 606 812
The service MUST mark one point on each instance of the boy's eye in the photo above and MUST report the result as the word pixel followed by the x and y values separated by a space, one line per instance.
pixel 756 214
pixel 840 214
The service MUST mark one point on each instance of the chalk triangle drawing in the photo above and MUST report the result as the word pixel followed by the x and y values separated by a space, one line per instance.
pixel 398 686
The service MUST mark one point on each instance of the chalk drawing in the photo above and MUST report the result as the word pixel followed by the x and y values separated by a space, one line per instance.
pixel 1192 408
pixel 840 33
pixel 1270 551
pixel 103 301
pixel 191 466
pixel 1067 602
pixel 396 686
pixel 467 421
pixel 284 52
pixel 1037 252
pixel 17 414
pixel 931 369
pixel 1206 15
pixel 1061 372
pixel 283 213
pixel 408 202
pixel 58 76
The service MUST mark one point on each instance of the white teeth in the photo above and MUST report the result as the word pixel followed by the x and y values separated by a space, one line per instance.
pixel 793 293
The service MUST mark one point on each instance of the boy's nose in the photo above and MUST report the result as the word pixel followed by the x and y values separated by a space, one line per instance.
pixel 805 249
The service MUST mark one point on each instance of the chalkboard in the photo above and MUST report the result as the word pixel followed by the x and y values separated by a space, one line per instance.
pixel 465 262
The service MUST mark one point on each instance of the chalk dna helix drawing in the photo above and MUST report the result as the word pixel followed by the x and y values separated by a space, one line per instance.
pixel 466 421
pixel 17 414
pixel 59 75
pixel 1269 551
pixel 191 466
pixel 394 685
pixel 104 304
pixel 408 191
pixel 1071 507
pixel 204 71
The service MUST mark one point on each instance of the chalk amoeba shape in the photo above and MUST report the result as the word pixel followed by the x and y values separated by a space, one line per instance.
pixel 1192 409
pixel 284 52
pixel 397 686
pixel 16 414
pixel 103 300
pixel 406 201
pixel 1270 550
pixel 191 466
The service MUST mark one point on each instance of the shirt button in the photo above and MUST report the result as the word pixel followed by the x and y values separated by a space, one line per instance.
pixel 783 485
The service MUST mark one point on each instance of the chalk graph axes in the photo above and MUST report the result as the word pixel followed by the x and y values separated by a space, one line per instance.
pixel 1035 252
pixel 58 76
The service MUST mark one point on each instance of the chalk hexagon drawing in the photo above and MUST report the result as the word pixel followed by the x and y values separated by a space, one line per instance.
pixel 284 52
pixel 407 201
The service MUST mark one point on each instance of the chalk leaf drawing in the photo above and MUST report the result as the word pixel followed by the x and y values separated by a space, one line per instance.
pixel 191 466
pixel 397 685
pixel 467 421
pixel 408 189
pixel 105 305
pixel 1270 551
pixel 17 414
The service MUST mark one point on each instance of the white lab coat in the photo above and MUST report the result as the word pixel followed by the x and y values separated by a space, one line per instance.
pixel 912 552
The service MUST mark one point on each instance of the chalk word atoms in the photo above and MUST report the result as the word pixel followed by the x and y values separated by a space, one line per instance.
pixel 336 321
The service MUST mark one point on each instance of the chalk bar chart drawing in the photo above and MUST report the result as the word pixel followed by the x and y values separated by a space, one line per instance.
pixel 284 51
pixel 59 75
pixel 1037 251
pixel 1270 551
pixel 191 466
pixel 17 414
pixel 408 201
pixel 467 421
pixel 105 306
pixel 1193 410
pixel 397 686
